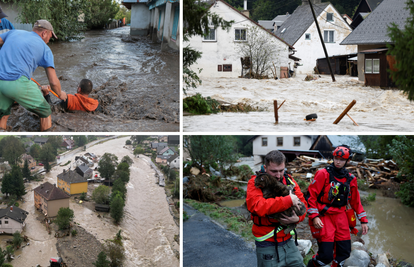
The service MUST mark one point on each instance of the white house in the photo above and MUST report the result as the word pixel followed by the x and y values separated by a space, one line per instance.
pixel 174 162
pixel 290 145
pixel 220 56
pixel 12 220
pixel 299 30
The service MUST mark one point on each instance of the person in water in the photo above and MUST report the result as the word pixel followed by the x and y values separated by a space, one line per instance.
pixel 80 101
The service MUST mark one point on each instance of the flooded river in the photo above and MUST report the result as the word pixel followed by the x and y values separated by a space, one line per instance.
pixel 136 84
pixel 148 227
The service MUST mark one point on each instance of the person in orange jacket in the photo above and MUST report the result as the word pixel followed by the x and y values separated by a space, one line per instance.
pixel 80 101
pixel 280 251
pixel 332 189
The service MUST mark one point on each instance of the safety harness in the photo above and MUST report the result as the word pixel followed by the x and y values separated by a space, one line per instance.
pixel 257 220
pixel 339 193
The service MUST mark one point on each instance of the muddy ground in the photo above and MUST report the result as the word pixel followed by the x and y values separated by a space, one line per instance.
pixel 136 84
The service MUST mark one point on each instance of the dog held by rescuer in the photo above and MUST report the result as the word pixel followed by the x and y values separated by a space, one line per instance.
pixel 272 188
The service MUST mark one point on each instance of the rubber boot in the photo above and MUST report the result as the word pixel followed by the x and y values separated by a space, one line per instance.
pixel 311 263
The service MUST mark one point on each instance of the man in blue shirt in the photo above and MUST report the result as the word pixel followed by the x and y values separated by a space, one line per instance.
pixel 21 53
pixel 5 25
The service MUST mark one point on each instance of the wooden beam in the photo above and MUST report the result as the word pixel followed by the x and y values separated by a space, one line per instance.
pixel 276 113
pixel 348 108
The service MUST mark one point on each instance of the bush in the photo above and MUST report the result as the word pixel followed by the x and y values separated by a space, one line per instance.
pixel 74 232
pixel 83 196
pixel 362 185
pixel 199 105
pixel 128 142
pixel 406 193
pixel 371 197
pixel 186 170
pixel 245 173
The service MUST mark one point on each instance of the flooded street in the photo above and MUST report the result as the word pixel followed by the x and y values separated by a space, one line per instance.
pixel 136 84
pixel 391 228
pixel 375 109
pixel 148 229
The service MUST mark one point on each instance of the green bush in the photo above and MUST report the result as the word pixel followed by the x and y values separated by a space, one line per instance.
pixel 245 172
pixel 406 193
pixel 186 170
pixel 74 232
pixel 371 197
pixel 197 104
pixel 362 185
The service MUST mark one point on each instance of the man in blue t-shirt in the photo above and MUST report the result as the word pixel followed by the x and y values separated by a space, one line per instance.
pixel 21 53
pixel 5 25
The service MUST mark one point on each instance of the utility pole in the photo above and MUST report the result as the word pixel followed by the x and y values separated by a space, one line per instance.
pixel 323 44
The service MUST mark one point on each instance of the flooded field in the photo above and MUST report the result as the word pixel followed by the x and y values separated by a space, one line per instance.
pixel 375 110
pixel 148 228
pixel 136 84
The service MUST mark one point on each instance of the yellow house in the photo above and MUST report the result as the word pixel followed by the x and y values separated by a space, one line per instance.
pixel 72 183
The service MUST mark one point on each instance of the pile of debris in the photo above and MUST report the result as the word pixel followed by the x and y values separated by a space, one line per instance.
pixel 377 173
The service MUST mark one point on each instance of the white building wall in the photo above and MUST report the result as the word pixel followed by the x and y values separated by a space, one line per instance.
pixel 11 227
pixel 310 50
pixel 223 50
pixel 288 143
pixel 140 19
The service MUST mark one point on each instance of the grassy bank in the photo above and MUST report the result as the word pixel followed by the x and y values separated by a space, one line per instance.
pixel 224 216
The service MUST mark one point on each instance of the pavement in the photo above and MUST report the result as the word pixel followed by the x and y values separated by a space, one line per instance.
pixel 207 244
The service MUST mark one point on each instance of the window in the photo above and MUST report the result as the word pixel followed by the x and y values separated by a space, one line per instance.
pixel 211 36
pixel 376 65
pixel 328 36
pixel 0 222
pixel 296 141
pixel 329 16
pixel 368 65
pixel 240 35
pixel 227 67
pixel 279 141
pixel 264 141
pixel 307 36
pixel 6 222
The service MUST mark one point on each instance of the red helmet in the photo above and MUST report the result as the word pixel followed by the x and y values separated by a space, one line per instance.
pixel 342 151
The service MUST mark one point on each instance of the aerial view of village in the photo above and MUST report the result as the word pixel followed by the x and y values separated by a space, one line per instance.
pixel 225 222
pixel 262 65
pixel 78 200
pixel 109 68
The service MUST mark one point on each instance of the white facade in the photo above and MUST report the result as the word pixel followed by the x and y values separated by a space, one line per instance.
pixel 310 50
pixel 10 226
pixel 222 50
pixel 140 19
pixel 263 144
pixel 175 164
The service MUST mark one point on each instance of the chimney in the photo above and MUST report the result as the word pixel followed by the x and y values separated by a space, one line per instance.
pixel 245 11
pixel 11 209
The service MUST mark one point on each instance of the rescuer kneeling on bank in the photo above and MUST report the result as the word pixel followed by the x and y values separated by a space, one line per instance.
pixel 332 190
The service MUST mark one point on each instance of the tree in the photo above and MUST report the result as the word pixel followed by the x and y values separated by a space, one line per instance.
pixel 138 150
pixel 119 187
pixel 80 140
pixel 117 207
pixel 106 165
pixel 64 218
pixel 122 175
pixel 12 183
pixel 26 171
pixel 402 151
pixel 92 138
pixel 123 166
pixel 124 13
pixel 2 256
pixel 55 141
pixel 101 261
pixel 47 155
pixel 128 160
pixel 101 194
pixel 35 151
pixel 9 252
pixel 128 142
pixel 262 48
pixel 17 240
pixel 401 72
pixel 137 139
pixel 172 175
pixel 12 149
pixel 63 15
pixel 100 12
pixel 196 19
pixel 116 253
pixel 210 149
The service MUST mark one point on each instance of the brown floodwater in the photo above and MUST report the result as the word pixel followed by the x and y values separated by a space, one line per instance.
pixel 136 84
pixel 148 228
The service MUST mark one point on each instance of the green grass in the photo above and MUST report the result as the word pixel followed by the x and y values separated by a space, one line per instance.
pixel 371 197
pixel 362 185
pixel 225 217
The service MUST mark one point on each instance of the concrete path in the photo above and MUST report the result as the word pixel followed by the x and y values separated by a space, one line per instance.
pixel 207 244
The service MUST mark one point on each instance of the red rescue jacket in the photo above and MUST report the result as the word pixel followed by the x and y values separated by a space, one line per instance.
pixel 321 183
pixel 262 207
pixel 81 102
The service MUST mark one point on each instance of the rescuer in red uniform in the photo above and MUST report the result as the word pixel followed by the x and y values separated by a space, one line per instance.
pixel 330 192
pixel 282 251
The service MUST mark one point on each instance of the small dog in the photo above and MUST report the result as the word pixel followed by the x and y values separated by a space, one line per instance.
pixel 272 188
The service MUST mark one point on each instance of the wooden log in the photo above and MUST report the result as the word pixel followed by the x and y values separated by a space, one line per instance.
pixel 281 104
pixel 359 173
pixel 352 119
pixel 348 108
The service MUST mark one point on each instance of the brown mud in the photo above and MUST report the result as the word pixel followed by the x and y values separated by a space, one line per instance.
pixel 136 84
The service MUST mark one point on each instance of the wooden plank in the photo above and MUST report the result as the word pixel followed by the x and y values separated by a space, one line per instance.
pixel 348 108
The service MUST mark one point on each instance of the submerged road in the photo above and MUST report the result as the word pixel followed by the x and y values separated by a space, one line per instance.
pixel 136 84
pixel 207 244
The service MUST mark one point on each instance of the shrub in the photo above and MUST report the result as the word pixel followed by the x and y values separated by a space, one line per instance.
pixel 362 185
pixel 74 232
pixel 199 105
pixel 371 197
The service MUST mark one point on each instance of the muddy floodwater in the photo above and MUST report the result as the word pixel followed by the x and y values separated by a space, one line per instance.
pixel 148 228
pixel 375 110
pixel 391 228
pixel 135 82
